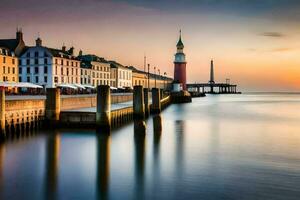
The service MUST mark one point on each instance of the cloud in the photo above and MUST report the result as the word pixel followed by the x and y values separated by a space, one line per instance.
pixel 272 34
pixel 283 49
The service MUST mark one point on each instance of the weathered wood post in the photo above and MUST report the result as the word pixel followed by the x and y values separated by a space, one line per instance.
pixel 139 110
pixel 138 102
pixel 2 112
pixel 103 114
pixel 157 124
pixel 52 111
pixel 161 93
pixel 146 102
pixel 156 105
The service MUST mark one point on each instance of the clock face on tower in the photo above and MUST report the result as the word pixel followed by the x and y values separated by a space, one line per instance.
pixel 180 57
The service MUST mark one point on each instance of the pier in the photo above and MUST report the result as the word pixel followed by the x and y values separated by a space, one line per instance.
pixel 212 87
pixel 22 115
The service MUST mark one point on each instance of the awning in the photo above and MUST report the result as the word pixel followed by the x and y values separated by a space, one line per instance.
pixel 88 86
pixel 113 88
pixel 19 85
pixel 78 86
pixel 66 86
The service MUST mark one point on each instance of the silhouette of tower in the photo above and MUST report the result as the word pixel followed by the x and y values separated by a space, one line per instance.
pixel 180 64
pixel 212 76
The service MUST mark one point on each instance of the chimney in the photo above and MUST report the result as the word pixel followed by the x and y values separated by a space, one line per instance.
pixel 38 42
pixel 71 50
pixel 63 48
pixel 80 53
pixel 19 35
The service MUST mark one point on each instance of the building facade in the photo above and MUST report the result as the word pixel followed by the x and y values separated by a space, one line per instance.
pixel 141 78
pixel 94 70
pixel 180 64
pixel 121 76
pixel 49 67
pixel 8 66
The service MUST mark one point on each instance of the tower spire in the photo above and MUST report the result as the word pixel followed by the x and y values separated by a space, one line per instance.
pixel 212 76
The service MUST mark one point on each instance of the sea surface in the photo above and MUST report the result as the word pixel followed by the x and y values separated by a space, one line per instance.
pixel 219 147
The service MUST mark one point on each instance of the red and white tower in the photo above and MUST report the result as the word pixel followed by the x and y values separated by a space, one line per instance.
pixel 180 64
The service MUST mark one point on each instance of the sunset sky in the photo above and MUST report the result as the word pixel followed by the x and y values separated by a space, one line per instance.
pixel 255 43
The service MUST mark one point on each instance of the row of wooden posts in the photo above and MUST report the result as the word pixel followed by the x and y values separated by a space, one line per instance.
pixel 141 106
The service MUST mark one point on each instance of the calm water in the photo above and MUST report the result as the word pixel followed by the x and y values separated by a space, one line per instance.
pixel 219 147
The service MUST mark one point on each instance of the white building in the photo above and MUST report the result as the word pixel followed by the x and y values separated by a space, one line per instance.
pixel 48 67
pixel 121 76
pixel 94 70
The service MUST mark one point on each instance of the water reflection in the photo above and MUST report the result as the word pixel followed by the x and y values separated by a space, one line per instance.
pixel 179 151
pixel 156 168
pixel 52 165
pixel 139 147
pixel 2 157
pixel 103 165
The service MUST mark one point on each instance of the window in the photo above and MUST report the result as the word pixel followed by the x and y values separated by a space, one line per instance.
pixel 4 59
pixel 56 70
pixel 8 70
pixel 55 61
pixel 36 70
pixel 61 71
pixel 28 55
pixel 36 79
pixel 20 70
pixel 45 61
pixel 36 61
pixel 67 71
pixel 28 79
pixel 28 70
pixel 45 69
pixel 13 61
pixel 62 62
pixel 45 79
pixel 3 69
pixel 45 54
pixel 28 62
pixel 13 70
pixel 36 54
pixel 67 63
pixel 20 79
pixel 72 71
pixel 55 79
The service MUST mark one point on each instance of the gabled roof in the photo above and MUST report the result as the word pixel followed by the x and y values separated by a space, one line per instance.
pixel 10 44
pixel 92 58
pixel 59 52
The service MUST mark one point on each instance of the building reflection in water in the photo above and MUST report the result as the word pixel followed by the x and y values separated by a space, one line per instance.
pixel 179 151
pixel 139 144
pixel 103 165
pixel 52 165
pixel 2 158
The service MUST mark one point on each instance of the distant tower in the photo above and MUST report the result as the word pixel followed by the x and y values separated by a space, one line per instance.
pixel 180 64
pixel 212 76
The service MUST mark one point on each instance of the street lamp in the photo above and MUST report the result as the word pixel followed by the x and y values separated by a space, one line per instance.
pixel 159 75
pixel 148 77
pixel 165 74
pixel 155 77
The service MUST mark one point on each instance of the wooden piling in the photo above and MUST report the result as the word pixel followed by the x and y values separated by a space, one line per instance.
pixel 156 105
pixel 103 114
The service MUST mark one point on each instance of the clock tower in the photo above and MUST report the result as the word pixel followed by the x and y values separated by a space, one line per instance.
pixel 180 64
